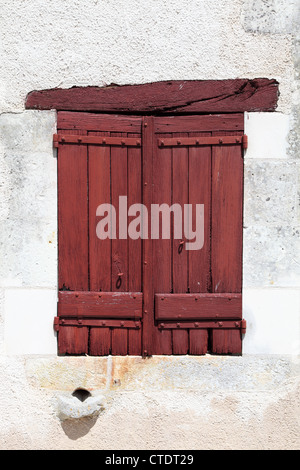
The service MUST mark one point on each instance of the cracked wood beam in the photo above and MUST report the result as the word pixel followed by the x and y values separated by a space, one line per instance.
pixel 169 97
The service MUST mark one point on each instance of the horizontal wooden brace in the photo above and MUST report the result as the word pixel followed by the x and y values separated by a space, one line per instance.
pixel 198 141
pixel 95 323
pixel 217 123
pixel 100 304
pixel 91 322
pixel 60 139
pixel 178 307
pixel 185 325
pixel 68 120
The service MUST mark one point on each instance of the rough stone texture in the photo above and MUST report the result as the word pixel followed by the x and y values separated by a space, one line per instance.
pixel 271 193
pixel 274 263
pixel 47 46
pixel 271 223
pixel 271 16
pixel 28 244
pixel 71 408
pixel 67 373
pixel 294 136
pixel 2 320
pixel 157 403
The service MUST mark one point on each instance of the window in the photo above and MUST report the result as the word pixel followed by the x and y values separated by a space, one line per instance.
pixel 150 234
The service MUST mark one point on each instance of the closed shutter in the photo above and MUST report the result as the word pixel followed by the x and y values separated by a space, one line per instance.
pixel 100 283
pixel 150 296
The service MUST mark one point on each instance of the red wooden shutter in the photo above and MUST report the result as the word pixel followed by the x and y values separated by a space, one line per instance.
pixel 195 297
pixel 151 296
pixel 100 283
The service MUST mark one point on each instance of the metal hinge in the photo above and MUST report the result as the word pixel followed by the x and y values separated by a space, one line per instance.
pixel 56 323
pixel 60 139
pixel 96 323
pixel 200 141
pixel 245 142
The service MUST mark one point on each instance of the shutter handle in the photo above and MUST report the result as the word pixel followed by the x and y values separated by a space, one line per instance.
pixel 119 280
pixel 180 248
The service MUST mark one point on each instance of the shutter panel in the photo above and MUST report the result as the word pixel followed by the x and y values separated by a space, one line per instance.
pixel 198 303
pixel 100 299
pixel 73 235
pixel 153 296
pixel 162 249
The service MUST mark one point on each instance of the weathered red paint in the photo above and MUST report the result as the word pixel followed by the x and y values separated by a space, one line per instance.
pixel 182 141
pixel 100 304
pixel 168 97
pixel 95 140
pixel 198 307
pixel 111 290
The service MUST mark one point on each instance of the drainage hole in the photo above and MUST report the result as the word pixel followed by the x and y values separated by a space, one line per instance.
pixel 81 394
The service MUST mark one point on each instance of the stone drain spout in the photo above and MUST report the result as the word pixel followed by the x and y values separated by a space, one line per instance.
pixel 80 404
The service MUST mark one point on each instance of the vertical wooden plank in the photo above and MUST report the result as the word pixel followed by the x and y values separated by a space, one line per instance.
pixel 134 342
pixel 154 341
pixel 180 341
pixel 162 248
pixel 200 193
pixel 119 188
pixel 162 194
pixel 227 226
pixel 227 218
pixel 226 342
pixel 134 197
pixel 180 195
pixel 73 235
pixel 99 250
pixel 72 216
pixel 100 341
pixel 198 342
pixel 119 282
pixel 199 260
pixel 99 193
pixel 119 343
pixel 148 331
pixel 73 340
pixel 134 246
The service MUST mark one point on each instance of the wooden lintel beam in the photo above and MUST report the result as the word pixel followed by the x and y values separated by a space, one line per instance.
pixel 167 97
